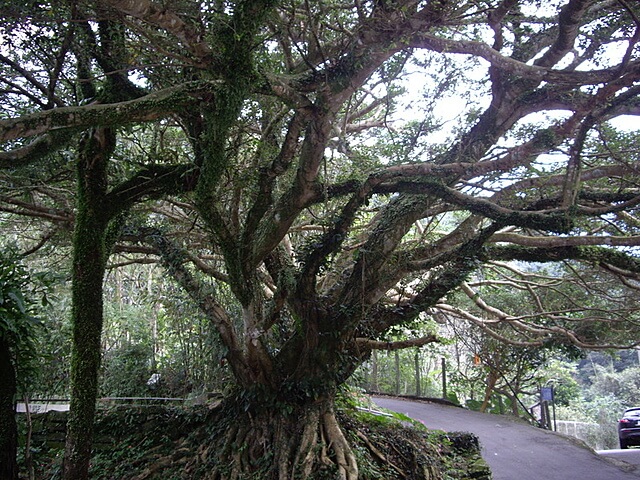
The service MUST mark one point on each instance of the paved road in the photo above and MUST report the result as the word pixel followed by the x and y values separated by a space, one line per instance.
pixel 515 450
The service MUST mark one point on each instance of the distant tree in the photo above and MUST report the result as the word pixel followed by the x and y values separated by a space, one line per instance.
pixel 624 385
pixel 301 211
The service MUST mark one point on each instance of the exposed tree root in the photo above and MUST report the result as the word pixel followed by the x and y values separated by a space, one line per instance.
pixel 286 446
pixel 378 454
pixel 345 459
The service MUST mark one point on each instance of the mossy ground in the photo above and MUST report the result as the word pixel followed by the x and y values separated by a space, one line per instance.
pixel 171 443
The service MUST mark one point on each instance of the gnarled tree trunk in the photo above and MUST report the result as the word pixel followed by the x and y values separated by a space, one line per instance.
pixel 283 441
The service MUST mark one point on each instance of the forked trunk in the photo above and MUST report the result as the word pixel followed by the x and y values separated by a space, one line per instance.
pixel 287 442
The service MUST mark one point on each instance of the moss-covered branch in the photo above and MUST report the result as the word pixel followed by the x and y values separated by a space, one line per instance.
pixel 456 265
pixel 32 152
pixel 398 345
pixel 593 254
pixel 150 107
pixel 174 260
pixel 152 182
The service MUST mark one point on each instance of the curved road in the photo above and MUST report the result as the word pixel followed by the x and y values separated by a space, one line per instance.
pixel 515 450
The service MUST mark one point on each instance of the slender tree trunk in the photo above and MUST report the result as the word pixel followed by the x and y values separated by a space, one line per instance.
pixel 89 258
pixel 373 384
pixel 8 428
pixel 396 357
pixel 514 404
pixel 492 379
pixel 443 363
pixel 417 369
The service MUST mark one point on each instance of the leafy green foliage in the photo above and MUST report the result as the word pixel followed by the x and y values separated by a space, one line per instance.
pixel 126 371
pixel 19 324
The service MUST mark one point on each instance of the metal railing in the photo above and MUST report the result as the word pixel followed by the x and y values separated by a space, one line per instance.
pixel 41 405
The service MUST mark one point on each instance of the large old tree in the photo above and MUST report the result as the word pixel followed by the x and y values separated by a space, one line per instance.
pixel 315 174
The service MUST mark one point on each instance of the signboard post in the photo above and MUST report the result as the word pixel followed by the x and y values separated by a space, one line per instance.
pixel 546 398
pixel 546 394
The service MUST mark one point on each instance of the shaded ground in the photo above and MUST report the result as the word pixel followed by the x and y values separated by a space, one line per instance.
pixel 154 442
pixel 513 449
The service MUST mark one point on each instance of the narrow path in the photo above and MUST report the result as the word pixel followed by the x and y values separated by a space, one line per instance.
pixel 515 450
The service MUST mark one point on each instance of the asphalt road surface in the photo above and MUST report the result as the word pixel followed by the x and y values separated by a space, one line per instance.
pixel 517 451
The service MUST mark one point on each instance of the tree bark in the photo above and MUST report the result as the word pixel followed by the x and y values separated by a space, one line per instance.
pixel 89 257
pixel 280 440
pixel 492 379
pixel 397 371
pixel 418 373
pixel 373 383
pixel 8 427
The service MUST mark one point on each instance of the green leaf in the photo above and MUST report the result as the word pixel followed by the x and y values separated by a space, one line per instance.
pixel 19 301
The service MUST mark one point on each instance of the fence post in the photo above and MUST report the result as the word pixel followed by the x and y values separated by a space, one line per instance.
pixel 444 378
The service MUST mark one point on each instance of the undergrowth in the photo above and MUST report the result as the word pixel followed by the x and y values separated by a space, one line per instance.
pixel 140 443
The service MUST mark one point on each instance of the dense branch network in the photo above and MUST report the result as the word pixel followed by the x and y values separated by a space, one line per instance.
pixel 319 203
pixel 320 177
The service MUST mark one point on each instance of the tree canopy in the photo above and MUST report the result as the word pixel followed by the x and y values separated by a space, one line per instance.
pixel 315 174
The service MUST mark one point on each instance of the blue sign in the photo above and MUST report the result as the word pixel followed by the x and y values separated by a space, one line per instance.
pixel 546 394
